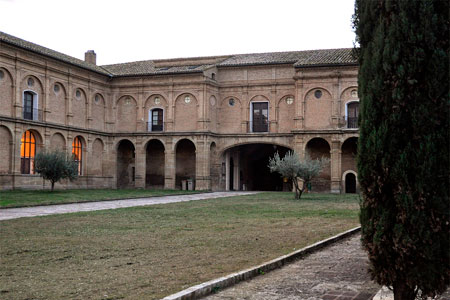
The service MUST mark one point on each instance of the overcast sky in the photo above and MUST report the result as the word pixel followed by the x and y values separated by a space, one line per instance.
pixel 132 30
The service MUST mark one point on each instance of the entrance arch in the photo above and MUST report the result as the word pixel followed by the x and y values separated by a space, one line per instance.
pixel 185 162
pixel 154 164
pixel 246 168
pixel 125 164
pixel 317 148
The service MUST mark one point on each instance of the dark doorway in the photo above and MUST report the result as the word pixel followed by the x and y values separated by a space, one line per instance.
pixel 350 183
pixel 154 167
pixel 185 161
pixel 253 167
pixel 125 164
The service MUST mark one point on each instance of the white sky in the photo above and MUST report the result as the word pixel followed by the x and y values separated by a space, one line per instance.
pixel 125 31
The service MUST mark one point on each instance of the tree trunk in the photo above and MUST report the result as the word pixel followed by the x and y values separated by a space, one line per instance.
pixel 298 191
pixel 53 185
pixel 404 292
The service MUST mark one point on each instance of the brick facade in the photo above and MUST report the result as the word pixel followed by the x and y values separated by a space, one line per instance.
pixel 207 109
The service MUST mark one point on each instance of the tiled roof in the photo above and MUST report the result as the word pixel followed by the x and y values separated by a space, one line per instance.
pixel 298 58
pixel 148 67
pixel 328 57
pixel 12 40
pixel 306 58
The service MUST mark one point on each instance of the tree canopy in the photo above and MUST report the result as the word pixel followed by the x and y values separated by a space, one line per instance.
pixel 403 150
pixel 54 166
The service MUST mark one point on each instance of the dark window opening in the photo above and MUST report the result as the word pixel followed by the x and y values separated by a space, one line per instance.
pixel 157 120
pixel 260 113
pixel 352 115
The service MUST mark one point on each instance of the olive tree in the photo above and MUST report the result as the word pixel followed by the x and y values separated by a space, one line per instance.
pixel 293 168
pixel 54 166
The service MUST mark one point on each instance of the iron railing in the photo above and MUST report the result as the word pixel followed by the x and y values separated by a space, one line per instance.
pixel 32 114
pixel 352 122
pixel 154 127
pixel 260 126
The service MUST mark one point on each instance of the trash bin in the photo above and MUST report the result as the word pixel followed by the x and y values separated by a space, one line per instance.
pixel 184 185
pixel 190 184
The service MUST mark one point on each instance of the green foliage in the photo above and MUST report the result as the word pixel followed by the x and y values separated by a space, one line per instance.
pixel 292 167
pixel 54 166
pixel 403 151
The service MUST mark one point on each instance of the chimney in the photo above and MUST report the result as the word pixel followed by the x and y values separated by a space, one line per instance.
pixel 90 57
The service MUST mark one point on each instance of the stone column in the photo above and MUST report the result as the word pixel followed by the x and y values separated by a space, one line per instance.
pixel 169 166
pixel 139 165
pixel 335 155
pixel 202 157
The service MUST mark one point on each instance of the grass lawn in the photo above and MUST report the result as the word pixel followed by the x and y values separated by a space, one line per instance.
pixel 151 252
pixel 21 198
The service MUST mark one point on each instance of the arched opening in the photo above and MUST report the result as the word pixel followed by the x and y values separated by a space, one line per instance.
pixel 246 168
pixel 125 164
pixel 154 164
pixel 317 148
pixel 5 150
pixel 185 162
pixel 350 183
pixel 348 154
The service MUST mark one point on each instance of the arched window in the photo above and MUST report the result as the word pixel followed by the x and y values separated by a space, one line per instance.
pixel 77 152
pixel 27 153
pixel 156 119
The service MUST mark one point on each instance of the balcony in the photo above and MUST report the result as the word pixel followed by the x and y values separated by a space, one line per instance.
pixel 32 114
pixel 260 126
pixel 154 127
pixel 352 122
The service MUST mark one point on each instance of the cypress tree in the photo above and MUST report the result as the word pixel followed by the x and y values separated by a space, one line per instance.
pixel 403 149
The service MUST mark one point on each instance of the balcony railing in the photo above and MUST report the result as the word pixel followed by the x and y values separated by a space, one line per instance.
pixel 32 114
pixel 260 126
pixel 352 122
pixel 153 127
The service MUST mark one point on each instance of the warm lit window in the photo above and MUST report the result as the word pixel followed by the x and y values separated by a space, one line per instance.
pixel 27 153
pixel 77 152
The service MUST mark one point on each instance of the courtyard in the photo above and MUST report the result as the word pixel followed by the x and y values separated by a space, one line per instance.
pixel 153 251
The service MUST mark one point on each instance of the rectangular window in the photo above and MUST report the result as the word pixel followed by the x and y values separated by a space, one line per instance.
pixel 260 117
pixel 157 120
pixel 28 106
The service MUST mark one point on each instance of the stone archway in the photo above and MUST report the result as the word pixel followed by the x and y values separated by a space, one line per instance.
pixel 185 162
pixel 246 168
pixel 125 164
pixel 317 148
pixel 154 164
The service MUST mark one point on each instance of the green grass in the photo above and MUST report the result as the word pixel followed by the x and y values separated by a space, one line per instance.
pixel 22 198
pixel 151 252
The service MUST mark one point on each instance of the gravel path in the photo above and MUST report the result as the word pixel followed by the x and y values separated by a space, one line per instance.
pixel 14 213
pixel 336 272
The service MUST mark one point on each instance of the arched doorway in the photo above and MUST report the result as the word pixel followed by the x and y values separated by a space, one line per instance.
pixel 317 148
pixel 185 162
pixel 246 168
pixel 350 183
pixel 154 164
pixel 125 164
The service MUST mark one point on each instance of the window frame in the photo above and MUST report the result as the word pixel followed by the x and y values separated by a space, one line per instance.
pixel 34 105
pixel 27 152
pixel 77 152
pixel 252 113
pixel 160 122
pixel 346 113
